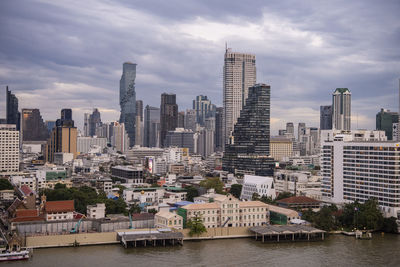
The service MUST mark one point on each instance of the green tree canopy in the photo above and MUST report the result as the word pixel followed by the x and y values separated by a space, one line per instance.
pixel 213 182
pixel 236 190
pixel 191 193
pixel 196 226
pixel 5 184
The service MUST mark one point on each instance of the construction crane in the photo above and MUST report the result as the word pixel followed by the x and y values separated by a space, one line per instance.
pixel 130 221
pixel 76 228
pixel 226 221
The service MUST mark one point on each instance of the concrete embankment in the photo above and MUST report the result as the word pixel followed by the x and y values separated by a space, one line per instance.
pixel 68 240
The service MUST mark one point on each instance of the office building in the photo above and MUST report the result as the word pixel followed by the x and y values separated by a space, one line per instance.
pixel 205 142
pixel 361 165
pixel 151 126
pixel 86 124
pixel 63 136
pixel 168 115
pixel 120 138
pixel 203 108
pixel 181 119
pixel 85 143
pixel 250 147
pixel 127 100
pixel 384 122
pixel 325 117
pixel 239 74
pixel 219 129
pixel 94 122
pixel 32 126
pixel 281 148
pixel 139 131
pixel 341 109
pixel 301 128
pixel 181 138
pixel 12 114
pixel 9 148
pixel 290 129
pixel 190 120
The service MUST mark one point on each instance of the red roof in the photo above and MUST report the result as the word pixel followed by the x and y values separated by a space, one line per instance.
pixel 26 190
pixel 27 213
pixel 298 200
pixel 59 206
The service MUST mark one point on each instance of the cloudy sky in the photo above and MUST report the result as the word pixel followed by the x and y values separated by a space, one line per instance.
pixel 56 54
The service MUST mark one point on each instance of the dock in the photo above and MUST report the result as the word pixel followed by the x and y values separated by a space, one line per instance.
pixel 293 233
pixel 150 238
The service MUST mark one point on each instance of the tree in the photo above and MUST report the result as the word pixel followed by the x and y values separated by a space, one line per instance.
pixel 153 211
pixel 121 189
pixel 267 200
pixel 255 196
pixel 134 209
pixel 236 190
pixel 196 226
pixel 60 186
pixel 390 225
pixel 191 193
pixel 215 183
pixel 5 184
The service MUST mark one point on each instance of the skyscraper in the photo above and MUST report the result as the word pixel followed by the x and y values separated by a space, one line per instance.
pixel 250 151
pixel 94 122
pixel 151 126
pixel 168 115
pixel 86 124
pixel 12 114
pixel 219 129
pixel 204 109
pixel 32 126
pixel 181 119
pixel 384 122
pixel 190 120
pixel 325 117
pixel 290 129
pixel 127 100
pixel 341 109
pixel 63 137
pixel 239 75
pixel 139 123
pixel 301 128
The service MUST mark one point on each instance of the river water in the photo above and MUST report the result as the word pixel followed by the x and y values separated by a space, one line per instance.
pixel 336 250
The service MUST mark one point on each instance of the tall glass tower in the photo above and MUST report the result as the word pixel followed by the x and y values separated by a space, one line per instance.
pixel 249 150
pixel 127 100
pixel 341 109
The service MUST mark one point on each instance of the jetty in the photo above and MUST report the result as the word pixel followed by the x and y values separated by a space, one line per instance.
pixel 152 238
pixel 278 233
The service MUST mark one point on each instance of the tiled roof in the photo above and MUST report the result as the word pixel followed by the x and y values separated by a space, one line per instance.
pixel 27 213
pixel 202 206
pixel 142 216
pixel 60 206
pixel 250 204
pixel 298 200
pixel 26 190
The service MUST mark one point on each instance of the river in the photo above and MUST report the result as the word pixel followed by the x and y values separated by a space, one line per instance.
pixel 336 250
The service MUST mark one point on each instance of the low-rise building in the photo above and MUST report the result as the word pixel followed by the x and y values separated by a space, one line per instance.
pixel 280 215
pixel 130 174
pixel 228 213
pixel 164 219
pixel 299 202
pixel 97 211
pixel 262 185
pixel 6 195
pixel 59 210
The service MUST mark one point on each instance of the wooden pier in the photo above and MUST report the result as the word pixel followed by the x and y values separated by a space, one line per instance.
pixel 150 238
pixel 291 233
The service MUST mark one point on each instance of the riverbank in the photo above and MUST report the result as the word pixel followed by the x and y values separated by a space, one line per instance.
pixel 335 250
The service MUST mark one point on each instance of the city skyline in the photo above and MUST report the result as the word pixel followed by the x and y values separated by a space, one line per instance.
pixel 344 51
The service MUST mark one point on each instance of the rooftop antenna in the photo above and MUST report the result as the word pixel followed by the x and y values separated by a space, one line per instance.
pixel 226 46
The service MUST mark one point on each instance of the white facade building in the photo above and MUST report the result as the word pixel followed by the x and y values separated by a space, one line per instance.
pixel 262 185
pixel 97 211
pixel 360 166
pixel 9 148
pixel 84 143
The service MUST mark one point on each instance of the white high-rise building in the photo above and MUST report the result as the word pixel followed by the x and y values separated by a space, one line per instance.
pixel 239 75
pixel 9 148
pixel 341 109
pixel 361 165
pixel 120 138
